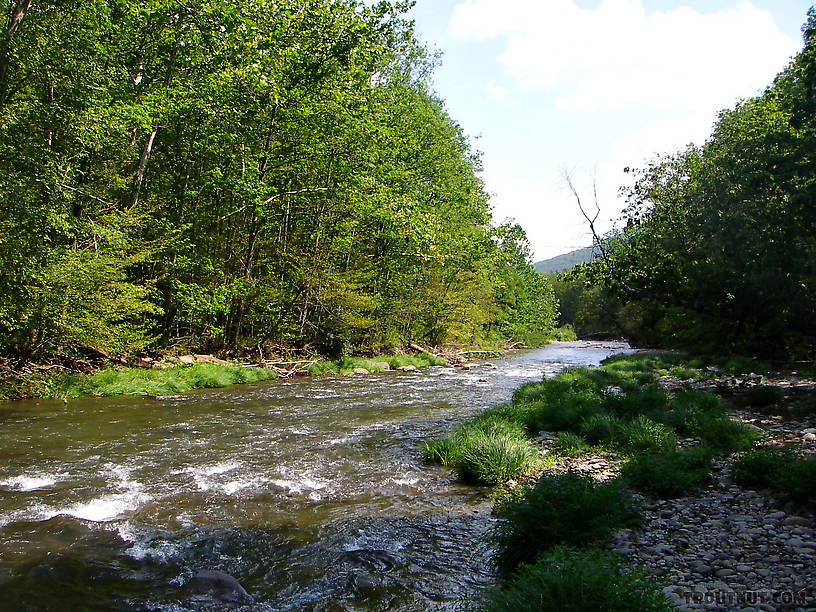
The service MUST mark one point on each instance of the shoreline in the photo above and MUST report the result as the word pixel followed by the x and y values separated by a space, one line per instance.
pixel 104 375
pixel 705 536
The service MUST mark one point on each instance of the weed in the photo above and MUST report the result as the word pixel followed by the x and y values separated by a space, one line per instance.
pixel 643 435
pixel 570 444
pixel 670 473
pixel 567 508
pixel 568 580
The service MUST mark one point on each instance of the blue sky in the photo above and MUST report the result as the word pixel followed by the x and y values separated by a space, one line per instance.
pixel 592 87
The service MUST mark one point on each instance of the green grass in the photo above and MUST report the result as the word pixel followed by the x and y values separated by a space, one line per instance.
pixel 670 473
pixel 643 435
pixel 346 365
pixel 568 580
pixel 489 450
pixel 570 444
pixel 140 381
pixel 570 508
pixel 781 470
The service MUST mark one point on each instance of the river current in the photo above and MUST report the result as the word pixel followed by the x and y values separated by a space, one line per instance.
pixel 310 491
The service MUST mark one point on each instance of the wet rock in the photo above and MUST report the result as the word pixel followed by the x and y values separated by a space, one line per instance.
pixel 360 371
pixel 209 586
pixel 407 368
pixel 373 559
pixel 365 584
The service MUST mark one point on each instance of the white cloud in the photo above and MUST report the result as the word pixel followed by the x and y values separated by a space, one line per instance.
pixel 497 91
pixel 618 56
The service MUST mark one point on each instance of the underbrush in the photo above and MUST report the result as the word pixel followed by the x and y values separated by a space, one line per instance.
pixel 569 580
pixel 140 381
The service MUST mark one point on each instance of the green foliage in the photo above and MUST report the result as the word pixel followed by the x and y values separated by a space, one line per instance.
pixel 568 580
pixel 780 470
pixel 643 435
pixel 570 444
pixel 570 508
pixel 489 450
pixel 717 250
pixel 669 473
pixel 139 381
pixel 237 174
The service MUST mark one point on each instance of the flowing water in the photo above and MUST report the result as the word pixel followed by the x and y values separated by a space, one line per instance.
pixel 310 491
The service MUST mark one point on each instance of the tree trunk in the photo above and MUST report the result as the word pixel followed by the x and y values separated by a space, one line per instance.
pixel 16 16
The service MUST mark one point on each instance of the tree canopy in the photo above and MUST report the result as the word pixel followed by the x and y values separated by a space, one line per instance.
pixel 719 246
pixel 225 174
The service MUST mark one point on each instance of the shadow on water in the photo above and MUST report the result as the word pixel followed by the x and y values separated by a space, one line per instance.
pixel 310 492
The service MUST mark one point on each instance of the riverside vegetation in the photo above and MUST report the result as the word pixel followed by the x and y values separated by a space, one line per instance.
pixel 716 250
pixel 230 176
pixel 665 420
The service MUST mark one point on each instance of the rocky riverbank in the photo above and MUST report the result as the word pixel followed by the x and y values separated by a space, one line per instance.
pixel 724 547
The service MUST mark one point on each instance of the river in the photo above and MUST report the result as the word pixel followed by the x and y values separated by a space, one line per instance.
pixel 310 491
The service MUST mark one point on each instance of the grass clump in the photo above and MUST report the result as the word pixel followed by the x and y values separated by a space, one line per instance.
pixel 727 435
pixel 490 450
pixel 570 444
pixel 346 365
pixel 139 381
pixel 570 508
pixel 780 470
pixel 670 473
pixel 568 580
pixel 602 429
pixel 642 435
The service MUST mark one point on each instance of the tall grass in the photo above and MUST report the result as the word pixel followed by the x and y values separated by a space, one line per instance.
pixel 140 381
pixel 488 451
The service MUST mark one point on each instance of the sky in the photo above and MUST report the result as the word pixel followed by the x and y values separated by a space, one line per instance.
pixel 591 87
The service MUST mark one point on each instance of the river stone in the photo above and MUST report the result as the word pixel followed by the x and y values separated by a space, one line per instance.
pixel 379 365
pixel 407 368
pixel 361 371
pixel 809 437
pixel 214 586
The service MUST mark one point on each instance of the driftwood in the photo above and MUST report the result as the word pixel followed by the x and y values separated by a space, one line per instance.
pixel 281 366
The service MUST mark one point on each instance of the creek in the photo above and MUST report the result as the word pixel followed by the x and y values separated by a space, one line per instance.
pixel 310 491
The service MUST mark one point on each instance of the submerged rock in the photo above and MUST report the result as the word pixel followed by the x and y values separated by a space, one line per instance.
pixel 209 586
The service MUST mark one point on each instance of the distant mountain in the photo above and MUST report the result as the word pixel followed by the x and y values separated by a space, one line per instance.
pixel 564 262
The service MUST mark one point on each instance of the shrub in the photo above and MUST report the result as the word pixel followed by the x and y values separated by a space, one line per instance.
pixel 569 580
pixel 670 473
pixel 570 444
pixel 567 508
pixel 643 435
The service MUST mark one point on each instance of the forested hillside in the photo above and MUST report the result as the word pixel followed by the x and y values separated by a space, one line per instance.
pixel 225 174
pixel 565 262
pixel 719 247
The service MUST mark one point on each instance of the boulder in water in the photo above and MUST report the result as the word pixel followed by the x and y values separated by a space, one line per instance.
pixel 216 587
